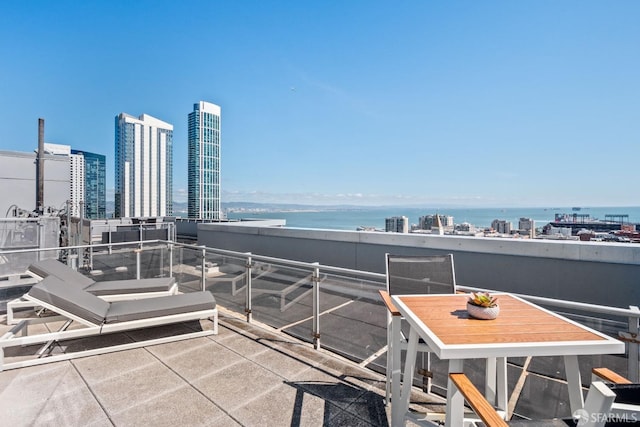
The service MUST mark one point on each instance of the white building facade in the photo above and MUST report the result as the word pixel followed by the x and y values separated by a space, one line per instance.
pixel 204 161
pixel 75 202
pixel 143 166
pixel 77 172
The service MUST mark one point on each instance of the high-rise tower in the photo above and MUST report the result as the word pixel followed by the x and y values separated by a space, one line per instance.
pixel 95 184
pixel 143 166
pixel 204 161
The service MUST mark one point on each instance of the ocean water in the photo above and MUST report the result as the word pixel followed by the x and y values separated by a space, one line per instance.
pixel 351 219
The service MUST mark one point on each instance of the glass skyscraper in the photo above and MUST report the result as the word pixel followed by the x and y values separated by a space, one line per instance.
pixel 204 161
pixel 143 166
pixel 95 184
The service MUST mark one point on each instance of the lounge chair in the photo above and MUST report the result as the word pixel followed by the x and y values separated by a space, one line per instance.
pixel 112 290
pixel 97 317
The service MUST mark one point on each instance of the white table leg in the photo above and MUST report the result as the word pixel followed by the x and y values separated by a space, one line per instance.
pixel 501 368
pixel 399 407
pixel 574 382
pixel 455 400
pixel 490 380
pixel 389 359
pixel 396 372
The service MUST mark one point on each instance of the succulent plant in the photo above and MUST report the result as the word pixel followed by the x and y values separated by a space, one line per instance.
pixel 483 299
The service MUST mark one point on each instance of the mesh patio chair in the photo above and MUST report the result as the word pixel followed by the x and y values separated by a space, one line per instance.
pixel 407 275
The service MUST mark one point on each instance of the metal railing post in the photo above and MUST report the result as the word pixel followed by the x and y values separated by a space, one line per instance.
pixel 316 306
pixel 634 344
pixel 204 269
pixel 247 308
pixel 41 239
pixel 138 251
pixel 170 259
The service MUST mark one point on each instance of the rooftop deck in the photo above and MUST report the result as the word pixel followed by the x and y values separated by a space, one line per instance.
pixel 266 371
pixel 246 375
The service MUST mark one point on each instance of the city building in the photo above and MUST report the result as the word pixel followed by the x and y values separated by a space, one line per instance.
pixel 428 221
pixel 204 161
pixel 75 201
pixel 76 181
pixel 527 226
pixel 95 184
pixel 501 226
pixel 143 166
pixel 397 224
pixel 87 181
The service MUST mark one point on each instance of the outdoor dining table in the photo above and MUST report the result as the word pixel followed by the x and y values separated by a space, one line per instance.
pixel 522 329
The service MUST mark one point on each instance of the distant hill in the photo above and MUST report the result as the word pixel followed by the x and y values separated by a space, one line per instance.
pixel 235 206
pixel 181 208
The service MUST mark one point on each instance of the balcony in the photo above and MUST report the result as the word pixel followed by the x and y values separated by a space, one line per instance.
pixel 300 343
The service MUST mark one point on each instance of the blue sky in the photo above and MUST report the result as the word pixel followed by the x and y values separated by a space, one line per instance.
pixel 475 103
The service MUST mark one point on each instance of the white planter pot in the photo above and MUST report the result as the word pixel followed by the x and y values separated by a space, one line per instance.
pixel 484 313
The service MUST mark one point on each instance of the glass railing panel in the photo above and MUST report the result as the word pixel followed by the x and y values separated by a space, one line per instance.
pixel 352 317
pixel 225 278
pixel 19 234
pixel 16 263
pixel 154 261
pixel 187 268
pixel 120 264
pixel 282 296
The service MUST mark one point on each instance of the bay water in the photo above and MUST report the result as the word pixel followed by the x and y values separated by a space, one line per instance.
pixel 352 218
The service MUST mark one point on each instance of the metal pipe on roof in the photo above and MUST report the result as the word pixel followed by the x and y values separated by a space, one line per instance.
pixel 40 169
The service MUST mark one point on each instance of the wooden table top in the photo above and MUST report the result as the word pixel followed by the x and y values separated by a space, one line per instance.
pixel 443 321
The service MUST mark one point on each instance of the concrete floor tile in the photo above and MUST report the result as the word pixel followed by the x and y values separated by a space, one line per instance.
pixel 329 388
pixel 369 407
pixel 345 419
pixel 244 346
pixel 48 395
pixel 183 406
pixel 194 359
pixel 237 384
pixel 285 405
pixel 281 363
pixel 132 387
pixel 105 367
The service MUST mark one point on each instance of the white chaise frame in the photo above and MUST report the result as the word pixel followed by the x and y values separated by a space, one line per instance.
pixel 18 335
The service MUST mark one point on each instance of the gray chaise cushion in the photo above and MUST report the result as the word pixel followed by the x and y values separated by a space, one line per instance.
pixel 124 311
pixel 119 287
pixel 53 267
pixel 71 299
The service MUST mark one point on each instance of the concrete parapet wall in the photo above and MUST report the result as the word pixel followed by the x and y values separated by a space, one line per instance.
pixel 593 272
